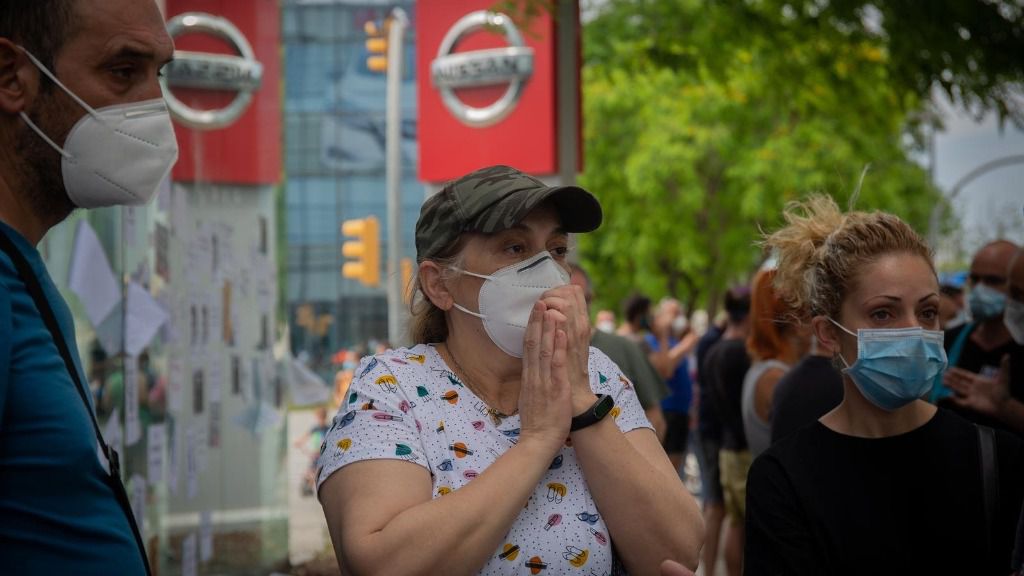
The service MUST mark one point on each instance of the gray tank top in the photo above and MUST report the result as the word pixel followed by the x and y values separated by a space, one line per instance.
pixel 758 431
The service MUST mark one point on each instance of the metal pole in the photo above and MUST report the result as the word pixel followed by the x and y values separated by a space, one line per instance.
pixel 939 208
pixel 393 174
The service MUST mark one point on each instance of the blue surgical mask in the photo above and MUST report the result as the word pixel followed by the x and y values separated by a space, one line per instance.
pixel 986 303
pixel 895 366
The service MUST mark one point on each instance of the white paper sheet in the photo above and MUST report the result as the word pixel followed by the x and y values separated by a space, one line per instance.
pixel 191 465
pixel 175 384
pixel 205 536
pixel 156 436
pixel 91 277
pixel 173 460
pixel 145 317
pixel 307 388
pixel 132 429
pixel 189 564
pixel 112 436
pixel 138 501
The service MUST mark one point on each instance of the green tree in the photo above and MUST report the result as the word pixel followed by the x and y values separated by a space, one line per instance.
pixel 698 131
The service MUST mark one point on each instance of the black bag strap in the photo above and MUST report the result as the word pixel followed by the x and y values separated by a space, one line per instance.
pixel 989 479
pixel 50 320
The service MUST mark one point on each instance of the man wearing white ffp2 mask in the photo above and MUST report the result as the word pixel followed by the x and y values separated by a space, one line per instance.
pixel 82 124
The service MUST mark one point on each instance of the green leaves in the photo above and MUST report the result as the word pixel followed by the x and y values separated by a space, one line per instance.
pixel 700 125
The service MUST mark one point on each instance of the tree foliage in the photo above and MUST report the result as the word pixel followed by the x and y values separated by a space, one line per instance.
pixel 702 119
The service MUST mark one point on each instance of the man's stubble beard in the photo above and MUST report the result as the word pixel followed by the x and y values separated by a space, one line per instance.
pixel 41 173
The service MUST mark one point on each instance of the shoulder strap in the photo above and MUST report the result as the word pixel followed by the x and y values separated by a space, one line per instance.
pixel 989 479
pixel 50 320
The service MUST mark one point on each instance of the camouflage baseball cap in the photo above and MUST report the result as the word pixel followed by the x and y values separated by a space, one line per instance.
pixel 493 199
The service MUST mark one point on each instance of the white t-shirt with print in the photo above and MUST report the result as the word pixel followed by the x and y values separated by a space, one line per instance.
pixel 407 404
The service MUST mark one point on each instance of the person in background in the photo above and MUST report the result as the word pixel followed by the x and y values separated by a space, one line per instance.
pixel 998 399
pixel 777 340
pixel 807 392
pixel 886 483
pixel 636 314
pixel 501 441
pixel 627 355
pixel 671 344
pixel 604 320
pixel 721 374
pixel 979 352
pixel 83 124
pixel 952 311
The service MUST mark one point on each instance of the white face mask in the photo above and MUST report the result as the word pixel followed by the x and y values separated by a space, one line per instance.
pixel 115 155
pixel 508 295
pixel 606 326
pixel 1013 317
pixel 679 324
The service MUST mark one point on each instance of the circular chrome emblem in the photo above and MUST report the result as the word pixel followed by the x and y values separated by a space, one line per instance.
pixel 240 74
pixel 512 65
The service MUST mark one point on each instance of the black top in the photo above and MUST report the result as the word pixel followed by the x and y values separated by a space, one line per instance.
pixel 820 502
pixel 727 364
pixel 805 393
pixel 974 359
pixel 707 419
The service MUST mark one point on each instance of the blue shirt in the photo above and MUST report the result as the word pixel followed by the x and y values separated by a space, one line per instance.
pixel 58 515
pixel 679 384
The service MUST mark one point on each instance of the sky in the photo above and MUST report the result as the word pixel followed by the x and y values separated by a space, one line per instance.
pixel 993 202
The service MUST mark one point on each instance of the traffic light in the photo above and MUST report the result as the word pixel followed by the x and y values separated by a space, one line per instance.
pixel 377 46
pixel 364 250
pixel 406 265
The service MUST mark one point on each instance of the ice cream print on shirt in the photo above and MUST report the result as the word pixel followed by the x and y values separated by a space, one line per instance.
pixel 407 404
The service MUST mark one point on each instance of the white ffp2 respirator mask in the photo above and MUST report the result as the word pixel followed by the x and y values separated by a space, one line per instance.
pixel 114 155
pixel 507 298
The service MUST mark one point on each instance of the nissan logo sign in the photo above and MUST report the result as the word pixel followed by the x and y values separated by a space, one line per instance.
pixel 511 66
pixel 240 74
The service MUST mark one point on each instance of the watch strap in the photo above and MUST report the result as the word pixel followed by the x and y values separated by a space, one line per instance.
pixel 597 411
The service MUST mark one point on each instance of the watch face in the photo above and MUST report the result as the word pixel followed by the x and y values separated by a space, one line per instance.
pixel 604 406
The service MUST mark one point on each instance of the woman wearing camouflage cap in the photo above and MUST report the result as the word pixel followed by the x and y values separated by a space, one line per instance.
pixel 501 443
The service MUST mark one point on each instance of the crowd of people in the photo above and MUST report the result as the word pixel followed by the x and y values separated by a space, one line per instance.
pixel 856 413
pixel 831 435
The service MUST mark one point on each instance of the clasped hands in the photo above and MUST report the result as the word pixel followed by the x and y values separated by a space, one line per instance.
pixel 556 355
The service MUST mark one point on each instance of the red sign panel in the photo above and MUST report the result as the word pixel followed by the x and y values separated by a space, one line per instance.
pixel 248 151
pixel 525 137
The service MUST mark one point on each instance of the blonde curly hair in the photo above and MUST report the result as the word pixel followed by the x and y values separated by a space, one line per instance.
pixel 821 251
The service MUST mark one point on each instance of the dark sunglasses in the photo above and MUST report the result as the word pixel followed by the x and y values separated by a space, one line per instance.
pixel 988 279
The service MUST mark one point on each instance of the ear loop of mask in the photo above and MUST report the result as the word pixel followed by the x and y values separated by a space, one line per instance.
pixel 39 65
pixel 844 329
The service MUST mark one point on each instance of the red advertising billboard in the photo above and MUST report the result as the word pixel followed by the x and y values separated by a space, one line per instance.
pixel 224 90
pixel 487 90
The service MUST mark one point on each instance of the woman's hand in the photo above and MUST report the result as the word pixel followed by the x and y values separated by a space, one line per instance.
pixel 569 301
pixel 545 401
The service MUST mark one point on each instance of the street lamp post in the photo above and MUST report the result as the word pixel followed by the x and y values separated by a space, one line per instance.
pixel 936 215
pixel 393 171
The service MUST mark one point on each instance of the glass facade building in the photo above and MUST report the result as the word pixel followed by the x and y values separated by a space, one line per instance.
pixel 334 118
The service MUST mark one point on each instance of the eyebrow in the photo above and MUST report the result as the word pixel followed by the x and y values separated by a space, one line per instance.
pixel 145 54
pixel 523 227
pixel 898 299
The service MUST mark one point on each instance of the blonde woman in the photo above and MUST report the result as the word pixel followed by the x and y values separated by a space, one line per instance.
pixel 885 483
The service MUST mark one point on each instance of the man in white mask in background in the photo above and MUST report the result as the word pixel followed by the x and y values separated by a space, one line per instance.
pixel 82 124
pixel 987 376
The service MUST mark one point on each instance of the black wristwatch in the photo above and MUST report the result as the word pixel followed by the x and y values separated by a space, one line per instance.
pixel 594 414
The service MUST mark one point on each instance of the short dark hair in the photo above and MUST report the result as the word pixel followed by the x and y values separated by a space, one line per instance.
pixel 737 303
pixel 41 26
pixel 636 306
